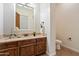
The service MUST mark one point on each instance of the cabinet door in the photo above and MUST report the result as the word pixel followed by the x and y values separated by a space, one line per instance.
pixel 40 46
pixel 27 50
pixel 9 52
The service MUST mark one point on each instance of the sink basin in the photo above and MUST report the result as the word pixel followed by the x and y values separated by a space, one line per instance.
pixel 17 36
pixel 20 36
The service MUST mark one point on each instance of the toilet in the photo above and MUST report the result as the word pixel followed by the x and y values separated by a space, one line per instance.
pixel 58 44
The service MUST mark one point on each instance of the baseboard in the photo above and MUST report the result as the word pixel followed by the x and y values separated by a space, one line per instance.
pixel 71 48
pixel 51 54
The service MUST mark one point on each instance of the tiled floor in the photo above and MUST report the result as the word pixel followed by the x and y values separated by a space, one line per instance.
pixel 66 52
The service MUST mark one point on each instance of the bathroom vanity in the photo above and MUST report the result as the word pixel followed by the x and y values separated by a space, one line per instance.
pixel 26 46
pixel 21 21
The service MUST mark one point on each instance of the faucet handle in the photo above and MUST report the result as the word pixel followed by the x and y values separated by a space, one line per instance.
pixel 15 35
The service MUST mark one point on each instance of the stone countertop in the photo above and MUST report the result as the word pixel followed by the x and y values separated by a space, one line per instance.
pixel 5 40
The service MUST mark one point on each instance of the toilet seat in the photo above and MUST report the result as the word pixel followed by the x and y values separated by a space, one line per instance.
pixel 58 41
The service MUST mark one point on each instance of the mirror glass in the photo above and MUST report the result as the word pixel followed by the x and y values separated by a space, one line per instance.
pixel 24 17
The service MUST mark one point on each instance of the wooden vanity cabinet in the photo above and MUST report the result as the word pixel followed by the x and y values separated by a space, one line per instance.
pixel 9 49
pixel 32 47
pixel 27 47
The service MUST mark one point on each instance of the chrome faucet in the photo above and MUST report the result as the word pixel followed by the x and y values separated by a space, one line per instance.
pixel 10 36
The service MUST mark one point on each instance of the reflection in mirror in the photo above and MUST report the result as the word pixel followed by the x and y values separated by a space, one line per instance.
pixel 24 17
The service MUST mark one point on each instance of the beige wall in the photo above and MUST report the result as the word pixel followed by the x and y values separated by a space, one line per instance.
pixel 67 24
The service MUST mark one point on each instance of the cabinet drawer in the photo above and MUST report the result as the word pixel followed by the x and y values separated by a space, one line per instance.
pixel 11 44
pixel 25 42
pixel 8 45
pixel 41 40
pixel 3 46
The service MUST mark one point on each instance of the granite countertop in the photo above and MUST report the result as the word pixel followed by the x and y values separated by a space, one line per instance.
pixel 4 40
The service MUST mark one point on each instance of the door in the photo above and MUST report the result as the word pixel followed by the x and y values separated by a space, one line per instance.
pixel 9 52
pixel 40 46
pixel 27 50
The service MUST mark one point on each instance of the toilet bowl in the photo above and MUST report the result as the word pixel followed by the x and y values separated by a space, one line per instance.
pixel 58 44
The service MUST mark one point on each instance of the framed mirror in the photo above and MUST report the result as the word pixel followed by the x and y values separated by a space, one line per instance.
pixel 24 17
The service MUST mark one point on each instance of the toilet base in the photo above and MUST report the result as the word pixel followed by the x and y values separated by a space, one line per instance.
pixel 58 46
